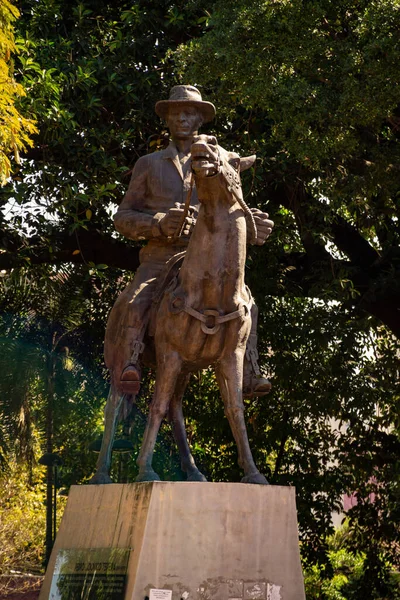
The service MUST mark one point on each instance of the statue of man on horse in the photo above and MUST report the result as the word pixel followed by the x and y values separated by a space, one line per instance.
pixel 152 209
pixel 202 315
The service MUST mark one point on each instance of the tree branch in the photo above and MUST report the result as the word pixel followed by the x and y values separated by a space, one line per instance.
pixel 375 278
pixel 94 247
pixel 351 243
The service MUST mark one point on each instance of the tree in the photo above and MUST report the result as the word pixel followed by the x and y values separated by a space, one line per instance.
pixel 312 86
pixel 22 522
pixel 15 128
pixel 348 575
pixel 50 374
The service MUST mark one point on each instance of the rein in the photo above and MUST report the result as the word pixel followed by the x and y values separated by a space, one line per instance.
pixel 179 229
pixel 234 186
pixel 249 214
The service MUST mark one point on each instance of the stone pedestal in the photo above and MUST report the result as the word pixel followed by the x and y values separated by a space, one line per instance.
pixel 203 541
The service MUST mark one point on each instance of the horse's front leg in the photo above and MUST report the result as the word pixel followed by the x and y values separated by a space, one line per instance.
pixel 111 413
pixel 168 370
pixel 178 426
pixel 229 372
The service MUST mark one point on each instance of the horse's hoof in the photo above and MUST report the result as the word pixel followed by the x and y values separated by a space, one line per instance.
pixel 100 478
pixel 255 478
pixel 196 476
pixel 148 475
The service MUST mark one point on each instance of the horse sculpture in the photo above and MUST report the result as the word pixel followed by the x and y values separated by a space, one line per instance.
pixel 203 320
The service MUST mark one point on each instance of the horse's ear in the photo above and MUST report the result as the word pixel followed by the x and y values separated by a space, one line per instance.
pixel 246 162
pixel 235 162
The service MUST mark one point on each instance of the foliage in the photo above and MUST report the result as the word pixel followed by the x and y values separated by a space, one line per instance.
pixel 312 87
pixel 346 568
pixel 22 522
pixel 15 128
pixel 52 378
pixel 346 579
pixel 43 351
pixel 92 70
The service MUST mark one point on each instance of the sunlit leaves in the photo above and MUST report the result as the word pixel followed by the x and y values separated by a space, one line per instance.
pixel 325 74
pixel 15 128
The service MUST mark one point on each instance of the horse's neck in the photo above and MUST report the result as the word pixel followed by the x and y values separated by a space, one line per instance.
pixel 212 274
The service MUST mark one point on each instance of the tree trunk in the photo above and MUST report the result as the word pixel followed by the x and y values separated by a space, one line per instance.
pixel 49 450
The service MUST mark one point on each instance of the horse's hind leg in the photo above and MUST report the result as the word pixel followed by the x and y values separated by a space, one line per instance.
pixel 168 370
pixel 229 372
pixel 111 413
pixel 178 426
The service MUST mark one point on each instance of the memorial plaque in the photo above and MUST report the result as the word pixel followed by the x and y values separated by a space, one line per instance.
pixel 90 574
pixel 156 594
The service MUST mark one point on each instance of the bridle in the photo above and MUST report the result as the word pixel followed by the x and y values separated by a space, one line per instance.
pixel 232 179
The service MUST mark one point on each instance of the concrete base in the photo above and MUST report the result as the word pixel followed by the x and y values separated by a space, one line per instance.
pixel 203 541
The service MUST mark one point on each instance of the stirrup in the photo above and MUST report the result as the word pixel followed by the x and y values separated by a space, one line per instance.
pixel 130 380
pixel 256 387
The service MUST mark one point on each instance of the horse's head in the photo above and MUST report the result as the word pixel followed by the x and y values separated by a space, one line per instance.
pixel 217 175
pixel 206 158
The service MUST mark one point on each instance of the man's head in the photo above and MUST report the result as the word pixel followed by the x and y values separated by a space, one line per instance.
pixel 185 111
pixel 183 121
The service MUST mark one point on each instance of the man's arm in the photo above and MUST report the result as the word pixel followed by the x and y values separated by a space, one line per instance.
pixel 136 224
pixel 129 219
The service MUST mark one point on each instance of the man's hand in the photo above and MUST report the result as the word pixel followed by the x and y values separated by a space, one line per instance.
pixel 264 225
pixel 205 156
pixel 173 219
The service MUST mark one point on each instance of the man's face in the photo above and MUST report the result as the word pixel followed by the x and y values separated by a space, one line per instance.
pixel 183 122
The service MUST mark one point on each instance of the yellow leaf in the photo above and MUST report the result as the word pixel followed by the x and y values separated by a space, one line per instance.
pixel 76 252
pixel 16 155
pixel 89 214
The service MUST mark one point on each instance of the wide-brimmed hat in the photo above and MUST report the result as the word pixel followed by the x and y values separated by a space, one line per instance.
pixel 186 95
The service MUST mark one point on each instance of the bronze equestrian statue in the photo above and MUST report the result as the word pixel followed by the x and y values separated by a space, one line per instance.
pixel 187 201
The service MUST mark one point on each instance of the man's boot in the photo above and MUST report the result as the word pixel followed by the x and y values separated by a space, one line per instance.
pixel 131 375
pixel 254 383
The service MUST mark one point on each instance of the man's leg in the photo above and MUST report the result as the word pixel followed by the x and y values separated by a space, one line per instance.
pixel 126 327
pixel 254 383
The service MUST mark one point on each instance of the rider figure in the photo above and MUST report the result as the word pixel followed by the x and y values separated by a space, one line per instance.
pixel 152 209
